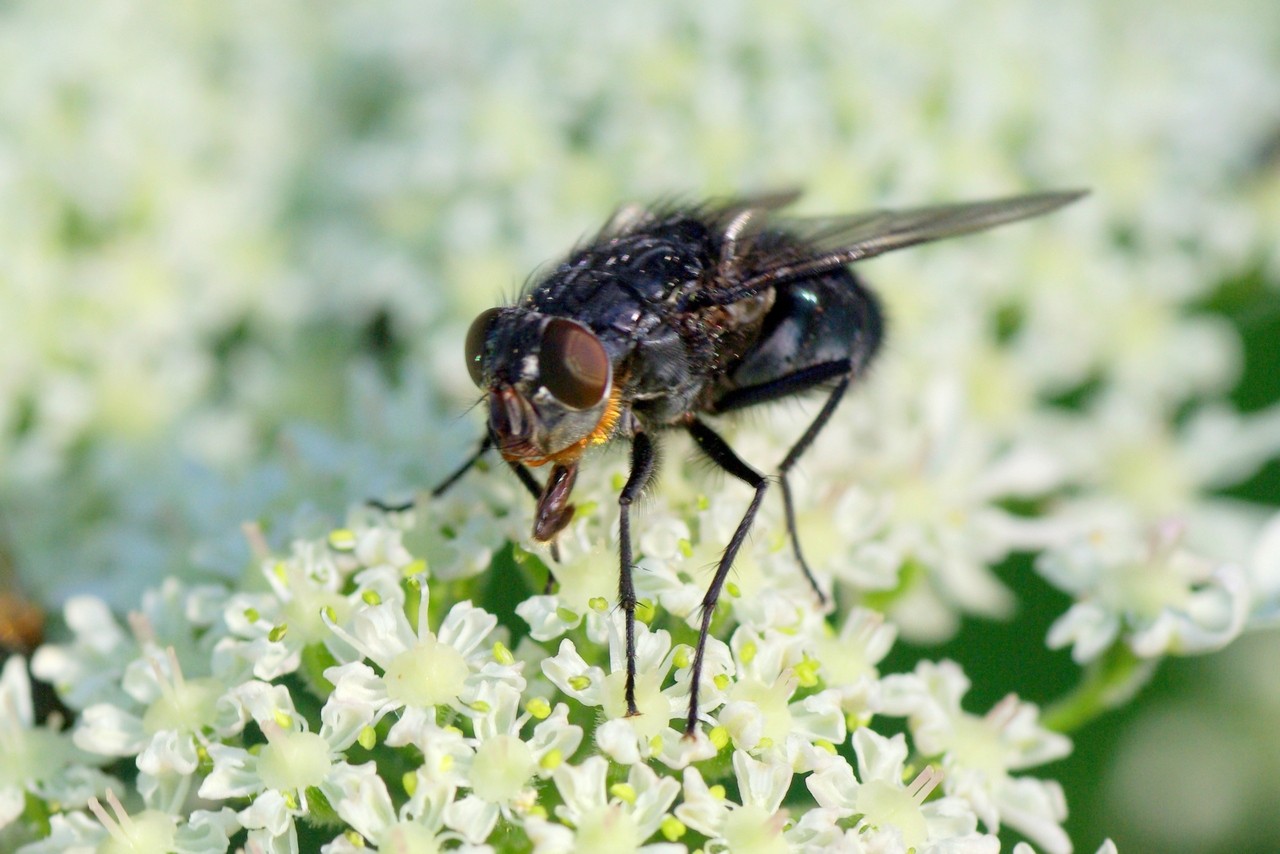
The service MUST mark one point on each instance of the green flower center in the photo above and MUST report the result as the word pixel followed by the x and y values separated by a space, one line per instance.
pixel 427 674
pixel 883 805
pixel 294 761
pixel 188 707
pixel 608 831
pixel 977 746
pixel 751 830
pixel 32 755
pixel 408 836
pixel 771 700
pixel 502 766
pixel 150 830
pixel 302 614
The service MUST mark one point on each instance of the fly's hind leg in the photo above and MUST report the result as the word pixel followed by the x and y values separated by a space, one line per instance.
pixel 794 383
pixel 824 415
pixel 710 443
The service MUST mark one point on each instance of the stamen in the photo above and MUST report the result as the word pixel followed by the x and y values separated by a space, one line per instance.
pixel 923 785
pixel 118 830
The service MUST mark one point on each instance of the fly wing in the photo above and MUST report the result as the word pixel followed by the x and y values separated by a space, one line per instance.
pixel 818 245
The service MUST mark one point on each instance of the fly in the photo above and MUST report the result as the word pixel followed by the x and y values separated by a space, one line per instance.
pixel 671 314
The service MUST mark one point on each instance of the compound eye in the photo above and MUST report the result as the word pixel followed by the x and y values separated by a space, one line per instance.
pixel 477 335
pixel 575 367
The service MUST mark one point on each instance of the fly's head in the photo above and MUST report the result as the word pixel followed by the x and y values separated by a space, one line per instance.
pixel 549 382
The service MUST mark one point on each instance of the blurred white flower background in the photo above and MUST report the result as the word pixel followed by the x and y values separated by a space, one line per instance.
pixel 240 245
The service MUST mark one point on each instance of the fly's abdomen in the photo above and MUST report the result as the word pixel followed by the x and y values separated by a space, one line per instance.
pixel 813 321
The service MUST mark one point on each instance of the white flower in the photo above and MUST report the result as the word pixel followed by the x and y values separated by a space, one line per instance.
pixel 293 760
pixel 375 542
pixel 164 723
pixel 366 805
pixel 821 830
pixel 270 631
pixel 767 589
pixel 754 826
pixel 151 830
pixel 108 665
pixel 420 669
pixel 38 761
pixel 89 670
pixel 166 694
pixel 502 770
pixel 847 660
pixel 893 815
pixel 583 591
pixel 1131 465
pixel 761 712
pixel 618 820
pixel 1156 596
pixel 631 739
pixel 77 832
pixel 979 754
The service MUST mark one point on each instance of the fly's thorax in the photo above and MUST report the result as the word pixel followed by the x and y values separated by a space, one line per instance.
pixel 549 382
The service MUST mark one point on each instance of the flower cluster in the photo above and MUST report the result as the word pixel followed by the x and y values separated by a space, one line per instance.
pixel 360 702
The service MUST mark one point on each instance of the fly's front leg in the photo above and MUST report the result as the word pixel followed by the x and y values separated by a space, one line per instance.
pixel 553 512
pixel 643 460
pixel 722 455
pixel 522 474
pixel 485 444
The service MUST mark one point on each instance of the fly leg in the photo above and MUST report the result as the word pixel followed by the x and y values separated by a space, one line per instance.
pixel 485 444
pixel 535 489
pixel 824 415
pixel 794 383
pixel 530 484
pixel 722 455
pixel 643 463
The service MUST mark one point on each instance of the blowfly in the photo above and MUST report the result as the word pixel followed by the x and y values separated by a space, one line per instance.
pixel 675 313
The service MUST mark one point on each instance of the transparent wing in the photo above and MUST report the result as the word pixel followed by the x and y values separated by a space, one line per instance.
pixel 826 243
pixel 876 232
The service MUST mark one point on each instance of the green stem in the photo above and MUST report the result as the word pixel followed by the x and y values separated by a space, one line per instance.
pixel 1108 682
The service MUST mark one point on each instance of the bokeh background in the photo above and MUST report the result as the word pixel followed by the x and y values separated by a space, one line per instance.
pixel 240 244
